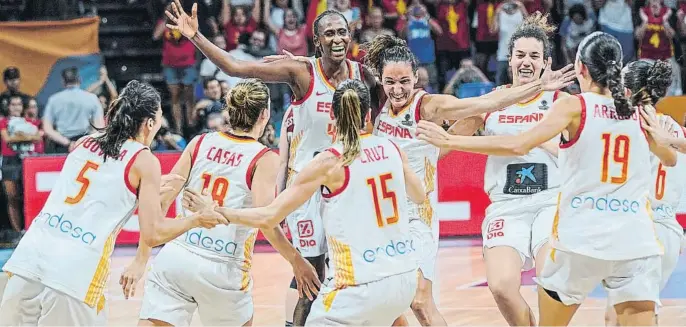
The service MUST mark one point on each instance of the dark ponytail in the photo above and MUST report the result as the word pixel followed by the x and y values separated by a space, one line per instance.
pixel 125 115
pixel 350 105
pixel 602 55
pixel 384 49
pixel 647 80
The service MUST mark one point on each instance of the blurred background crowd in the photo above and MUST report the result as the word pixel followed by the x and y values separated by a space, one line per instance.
pixel 461 46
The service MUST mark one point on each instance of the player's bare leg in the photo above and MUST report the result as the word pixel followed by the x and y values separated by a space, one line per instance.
pixel 423 304
pixel 302 308
pixel 503 273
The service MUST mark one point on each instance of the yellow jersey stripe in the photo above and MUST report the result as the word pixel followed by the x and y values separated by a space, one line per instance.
pixel 328 300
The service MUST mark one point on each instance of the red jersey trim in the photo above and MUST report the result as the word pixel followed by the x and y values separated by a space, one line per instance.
pixel 345 182
pixel 556 94
pixel 127 170
pixel 397 148
pixel 418 108
pixel 250 173
pixel 310 88
pixel 194 155
pixel 581 124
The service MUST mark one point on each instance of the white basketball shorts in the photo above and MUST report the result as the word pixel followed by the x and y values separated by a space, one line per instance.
pixel 307 228
pixel 377 303
pixel 671 241
pixel 573 276
pixel 180 281
pixel 426 247
pixel 27 302
pixel 523 224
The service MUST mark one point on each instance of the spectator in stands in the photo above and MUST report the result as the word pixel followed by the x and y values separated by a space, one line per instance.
pixel 533 6
pixel 468 73
pixel 211 103
pixel 418 28
pixel 12 80
pixel 453 43
pixel 20 136
pixel 579 27
pixel 615 18
pixel 423 81
pixel 240 23
pixel 351 14
pixel 104 88
pixel 276 16
pixel 225 87
pixel 394 11
pixel 180 73
pixel 508 16
pixel 211 13
pixel 375 28
pixel 486 39
pixel 208 69
pixel 655 39
pixel 70 113
pixel 290 36
pixel 166 140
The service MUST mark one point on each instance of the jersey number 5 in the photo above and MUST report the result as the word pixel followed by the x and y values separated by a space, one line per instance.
pixel 84 181
pixel 219 188
pixel 618 146
pixel 386 195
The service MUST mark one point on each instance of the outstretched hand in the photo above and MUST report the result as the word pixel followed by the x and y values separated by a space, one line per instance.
pixel 553 80
pixel 186 25
pixel 432 133
pixel 652 125
pixel 285 55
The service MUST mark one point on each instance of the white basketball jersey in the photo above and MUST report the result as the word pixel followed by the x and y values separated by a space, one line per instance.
pixel 604 209
pixel 508 177
pixel 366 222
pixel 69 244
pixel 422 156
pixel 223 165
pixel 669 182
pixel 314 122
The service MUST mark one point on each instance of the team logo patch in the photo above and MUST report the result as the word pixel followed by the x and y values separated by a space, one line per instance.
pixel 305 228
pixel 544 105
pixel 408 120
pixel 526 178
pixel 495 229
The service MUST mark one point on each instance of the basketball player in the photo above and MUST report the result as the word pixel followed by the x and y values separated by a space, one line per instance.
pixel 648 82
pixel 397 67
pixel 374 276
pixel 60 268
pixel 209 269
pixel 603 231
pixel 312 83
pixel 518 220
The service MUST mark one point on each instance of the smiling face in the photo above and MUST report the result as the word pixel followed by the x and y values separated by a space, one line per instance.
pixel 398 82
pixel 290 19
pixel 526 60
pixel 239 18
pixel 333 37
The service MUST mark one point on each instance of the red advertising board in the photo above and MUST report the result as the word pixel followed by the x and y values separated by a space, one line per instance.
pixel 461 199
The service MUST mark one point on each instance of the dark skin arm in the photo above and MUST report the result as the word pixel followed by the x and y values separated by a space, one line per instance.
pixel 291 72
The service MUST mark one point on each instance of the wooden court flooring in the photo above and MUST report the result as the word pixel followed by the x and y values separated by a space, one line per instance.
pixel 464 298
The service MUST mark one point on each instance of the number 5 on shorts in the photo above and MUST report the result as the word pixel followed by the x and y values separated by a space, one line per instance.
pixel 84 181
pixel 386 195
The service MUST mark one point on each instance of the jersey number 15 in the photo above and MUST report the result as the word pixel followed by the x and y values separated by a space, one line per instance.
pixel 385 195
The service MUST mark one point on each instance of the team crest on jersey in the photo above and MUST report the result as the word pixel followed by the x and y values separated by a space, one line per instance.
pixel 407 121
pixel 526 178
pixel 544 105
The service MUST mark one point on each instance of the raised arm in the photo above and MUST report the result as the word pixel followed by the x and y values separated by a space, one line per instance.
pixel 295 74
pixel 439 107
pixel 284 151
pixel 562 114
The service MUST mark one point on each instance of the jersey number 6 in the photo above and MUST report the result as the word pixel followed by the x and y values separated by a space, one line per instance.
pixel 386 195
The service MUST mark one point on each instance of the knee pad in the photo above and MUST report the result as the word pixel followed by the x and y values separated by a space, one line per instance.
pixel 553 295
pixel 294 284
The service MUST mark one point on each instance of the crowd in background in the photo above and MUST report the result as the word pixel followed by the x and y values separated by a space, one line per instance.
pixel 459 44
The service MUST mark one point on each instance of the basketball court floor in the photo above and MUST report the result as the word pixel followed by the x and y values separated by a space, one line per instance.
pixel 464 296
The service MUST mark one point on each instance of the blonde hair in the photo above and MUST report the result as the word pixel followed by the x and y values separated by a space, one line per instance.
pixel 350 104
pixel 245 102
